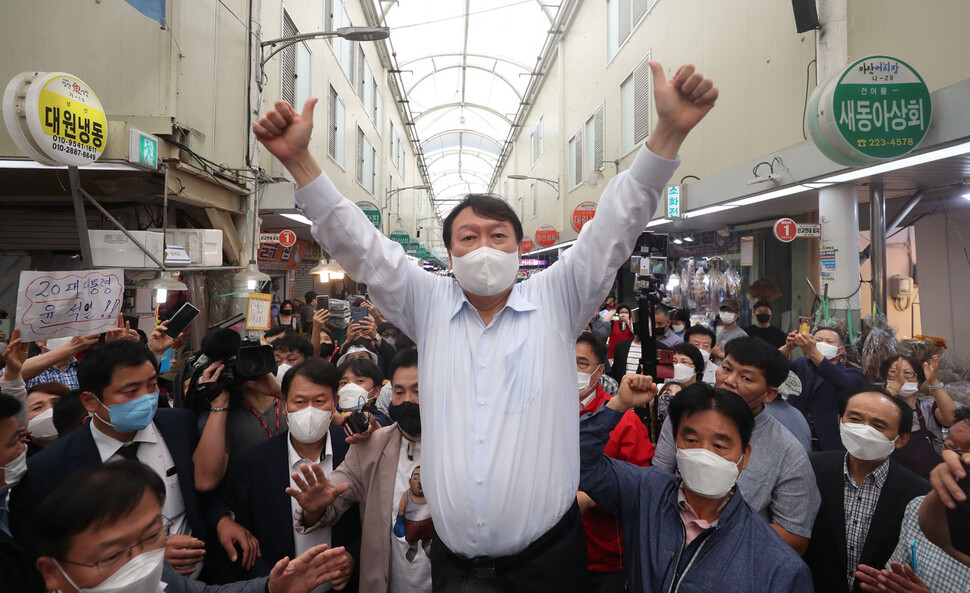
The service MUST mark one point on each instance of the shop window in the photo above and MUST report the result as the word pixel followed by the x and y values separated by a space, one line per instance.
pixel 336 139
pixel 537 142
pixel 288 63
pixel 635 106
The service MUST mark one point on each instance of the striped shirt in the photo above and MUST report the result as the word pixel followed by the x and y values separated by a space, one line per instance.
pixel 860 503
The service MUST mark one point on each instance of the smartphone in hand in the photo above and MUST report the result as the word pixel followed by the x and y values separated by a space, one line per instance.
pixel 182 318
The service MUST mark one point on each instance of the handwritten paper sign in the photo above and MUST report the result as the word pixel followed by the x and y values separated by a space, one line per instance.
pixel 65 304
pixel 258 311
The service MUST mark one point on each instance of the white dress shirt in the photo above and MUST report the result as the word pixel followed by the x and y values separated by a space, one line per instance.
pixel 501 436
pixel 321 535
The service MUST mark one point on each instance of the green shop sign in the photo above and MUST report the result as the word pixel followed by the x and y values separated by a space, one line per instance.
pixel 401 236
pixel 874 110
pixel 372 211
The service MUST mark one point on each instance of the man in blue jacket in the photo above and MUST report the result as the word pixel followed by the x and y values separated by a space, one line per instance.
pixel 693 532
pixel 824 376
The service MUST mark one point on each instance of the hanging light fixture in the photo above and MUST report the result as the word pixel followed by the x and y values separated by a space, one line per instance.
pixel 252 276
pixel 328 271
pixel 161 283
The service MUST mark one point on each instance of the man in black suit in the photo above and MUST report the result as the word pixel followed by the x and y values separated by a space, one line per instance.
pixel 263 474
pixel 864 492
pixel 119 380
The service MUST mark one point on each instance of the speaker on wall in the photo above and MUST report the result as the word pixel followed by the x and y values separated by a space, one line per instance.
pixel 806 16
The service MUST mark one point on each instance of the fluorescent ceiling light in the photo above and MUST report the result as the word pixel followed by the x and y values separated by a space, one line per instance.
pixel 966 196
pixel 657 222
pixel 927 157
pixel 298 218
pixel 708 210
pixel 778 193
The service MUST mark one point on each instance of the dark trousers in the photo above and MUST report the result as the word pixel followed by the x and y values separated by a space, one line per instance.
pixel 607 582
pixel 554 562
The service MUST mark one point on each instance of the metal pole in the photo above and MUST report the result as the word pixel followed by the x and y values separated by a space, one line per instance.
pixel 79 216
pixel 877 240
pixel 165 208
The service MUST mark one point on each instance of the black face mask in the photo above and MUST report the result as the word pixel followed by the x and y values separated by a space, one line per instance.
pixel 763 317
pixel 326 350
pixel 286 312
pixel 408 417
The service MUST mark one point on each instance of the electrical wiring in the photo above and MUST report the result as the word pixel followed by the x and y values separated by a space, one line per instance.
pixel 805 105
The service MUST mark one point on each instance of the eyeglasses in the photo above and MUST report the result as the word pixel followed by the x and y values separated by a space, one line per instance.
pixel 108 566
pixel 684 361
pixel 940 444
pixel 584 365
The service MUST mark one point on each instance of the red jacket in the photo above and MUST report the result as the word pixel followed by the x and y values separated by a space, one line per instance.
pixel 618 335
pixel 630 442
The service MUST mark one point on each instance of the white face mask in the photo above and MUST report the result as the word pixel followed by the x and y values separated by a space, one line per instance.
pixel 727 318
pixel 141 574
pixel 13 471
pixel 486 272
pixel 706 355
pixel 682 372
pixel 41 426
pixel 706 473
pixel 351 397
pixel 281 370
pixel 390 340
pixel 585 382
pixel 677 327
pixel 909 388
pixel 309 424
pixel 865 442
pixel 827 350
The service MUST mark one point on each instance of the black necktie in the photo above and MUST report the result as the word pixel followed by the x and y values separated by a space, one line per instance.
pixel 129 451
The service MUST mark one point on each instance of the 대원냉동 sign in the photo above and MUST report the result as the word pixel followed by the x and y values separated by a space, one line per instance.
pixel 876 109
pixel 55 119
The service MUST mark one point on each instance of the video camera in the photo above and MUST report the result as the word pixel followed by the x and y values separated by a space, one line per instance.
pixel 650 267
pixel 245 359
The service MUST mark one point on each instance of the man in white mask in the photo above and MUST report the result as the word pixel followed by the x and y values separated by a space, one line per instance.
pixel 779 483
pixel 102 531
pixel 864 492
pixel 667 520
pixel 265 473
pixel 500 354
pixel 728 314
pixel 629 442
pixel 824 375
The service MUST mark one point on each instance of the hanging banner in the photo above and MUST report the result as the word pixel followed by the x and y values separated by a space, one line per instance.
pixel 66 304
pixel 527 244
pixel 258 311
pixel 546 235
pixel 372 211
pixel 277 257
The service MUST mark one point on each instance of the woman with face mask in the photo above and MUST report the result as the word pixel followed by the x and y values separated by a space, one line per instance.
pixel 287 317
pixel 621 327
pixel 908 378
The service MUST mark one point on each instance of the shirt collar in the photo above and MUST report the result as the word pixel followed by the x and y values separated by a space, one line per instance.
pixel 516 301
pixel 684 506
pixel 294 458
pixel 108 445
pixel 878 475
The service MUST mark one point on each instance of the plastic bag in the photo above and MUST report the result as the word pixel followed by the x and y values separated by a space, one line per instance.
pixel 878 343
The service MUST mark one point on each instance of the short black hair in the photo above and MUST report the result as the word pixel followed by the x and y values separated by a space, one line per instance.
pixel 598 347
pixel 623 306
pixel 52 388
pixel 285 303
pixel 293 343
pixel 309 296
pixel 913 362
pixel 96 370
pixel 9 406
pixel 486 206
pixel 362 367
pixel 402 360
pixel 753 352
pixel 275 331
pixel 762 303
pixel 69 413
pixel 701 396
pixel 92 497
pixel 905 412
pixel 403 342
pixel 682 315
pixel 834 330
pixel 693 352
pixel 702 330
pixel 317 371
pixel 960 414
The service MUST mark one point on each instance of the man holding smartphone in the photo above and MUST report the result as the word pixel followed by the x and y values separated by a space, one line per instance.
pixel 501 355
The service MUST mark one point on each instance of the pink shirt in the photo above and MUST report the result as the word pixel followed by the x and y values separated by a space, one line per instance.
pixel 693 525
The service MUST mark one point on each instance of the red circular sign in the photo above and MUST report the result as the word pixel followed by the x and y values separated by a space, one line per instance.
pixel 527 244
pixel 287 238
pixel 785 230
pixel 546 235
pixel 583 214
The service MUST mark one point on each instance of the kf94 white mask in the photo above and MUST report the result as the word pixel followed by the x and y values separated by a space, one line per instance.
pixel 486 271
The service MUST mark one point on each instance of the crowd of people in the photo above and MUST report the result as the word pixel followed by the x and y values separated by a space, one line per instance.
pixel 750 469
